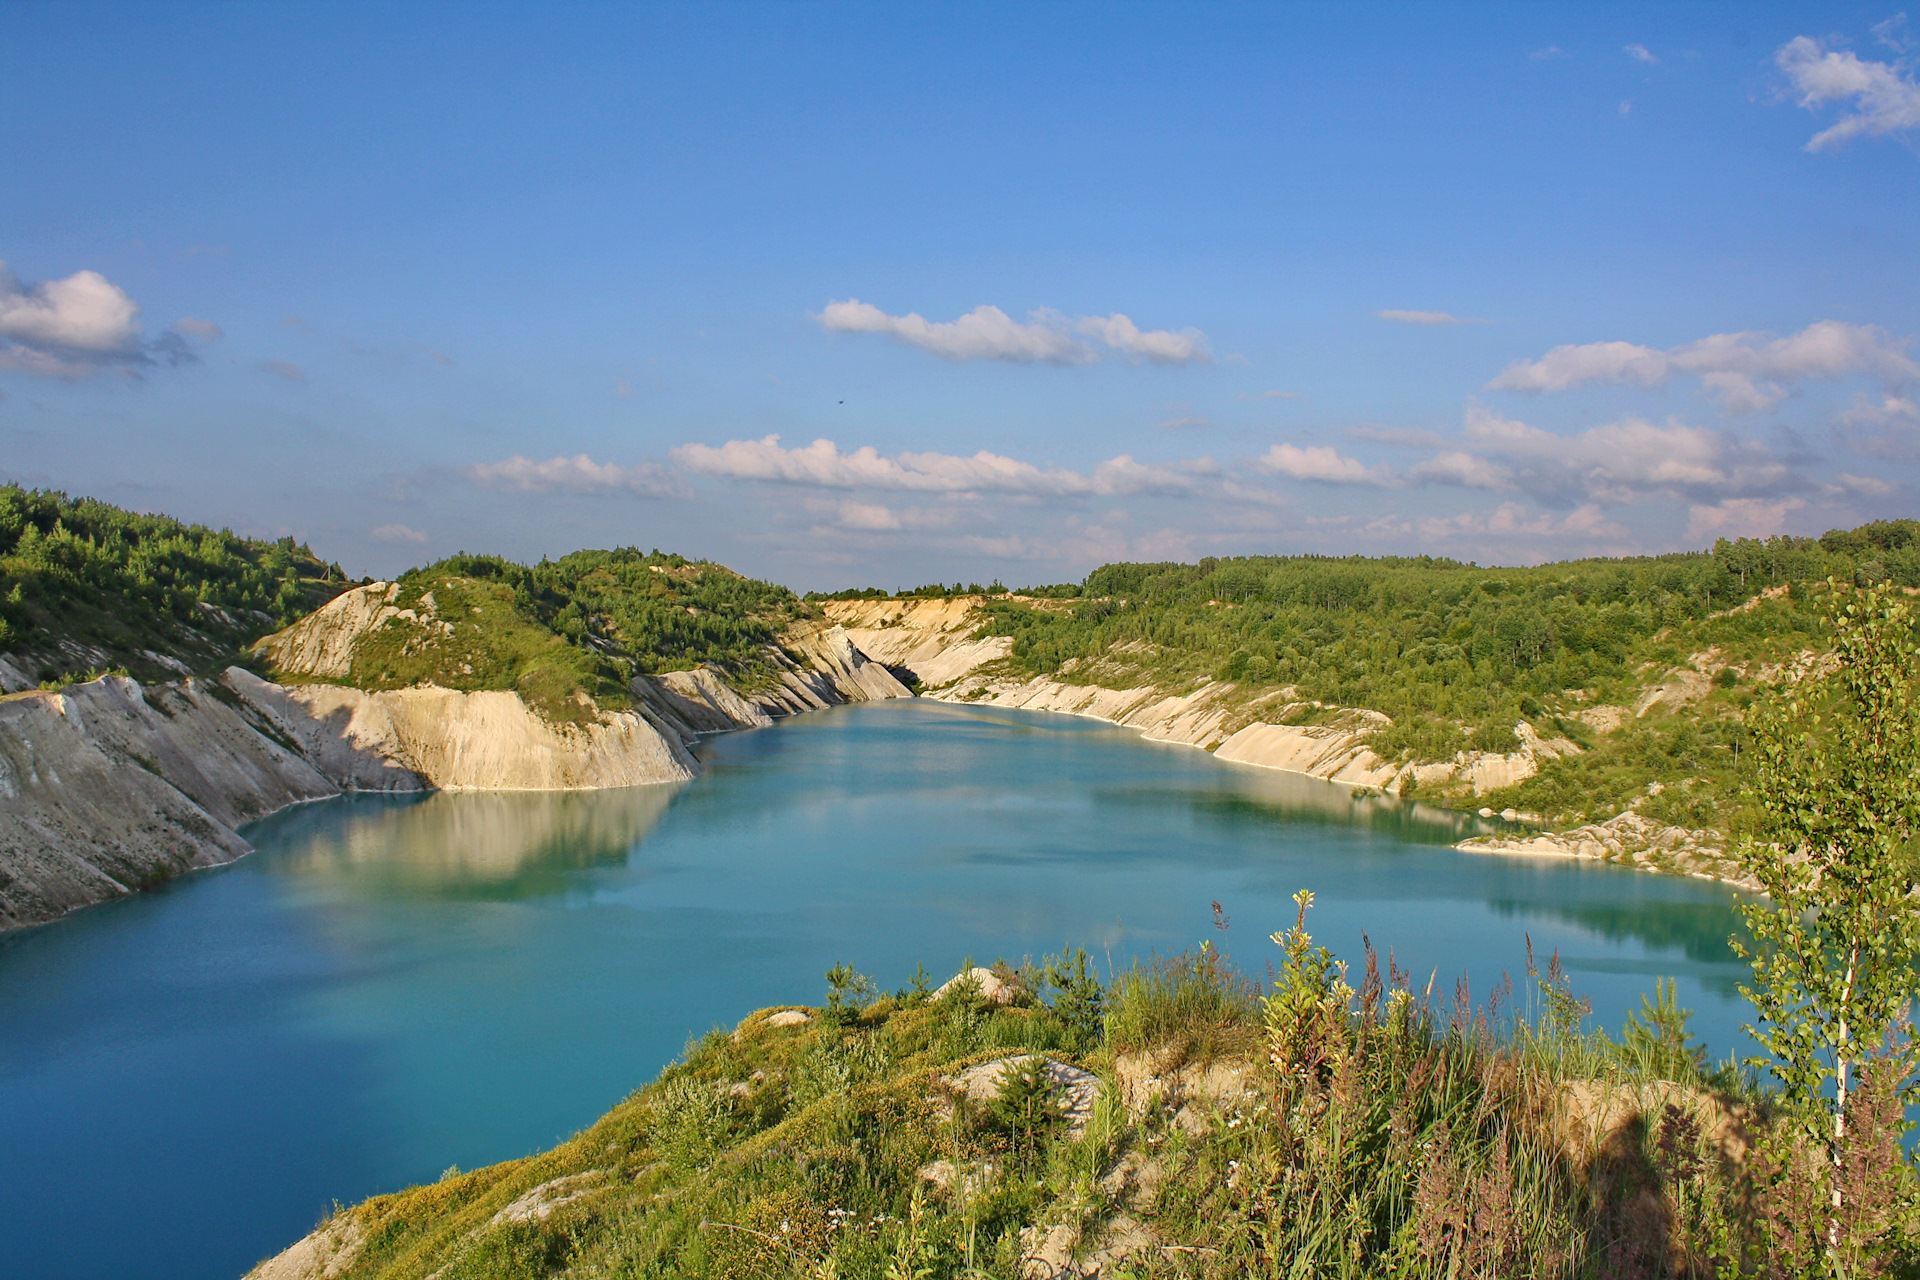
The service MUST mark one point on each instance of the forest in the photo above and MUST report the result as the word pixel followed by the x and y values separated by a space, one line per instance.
pixel 119 586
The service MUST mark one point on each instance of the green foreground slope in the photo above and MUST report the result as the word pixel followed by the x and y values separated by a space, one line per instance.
pixel 1189 1128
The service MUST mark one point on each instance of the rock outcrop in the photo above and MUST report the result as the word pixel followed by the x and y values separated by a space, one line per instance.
pixel 320 645
pixel 928 640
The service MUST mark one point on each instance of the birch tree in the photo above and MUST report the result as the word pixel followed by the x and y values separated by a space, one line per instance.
pixel 1837 776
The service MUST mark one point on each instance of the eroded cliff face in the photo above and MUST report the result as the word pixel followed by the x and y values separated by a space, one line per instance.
pixel 110 786
pixel 489 741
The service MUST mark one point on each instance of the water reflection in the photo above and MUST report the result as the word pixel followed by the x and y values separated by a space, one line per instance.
pixel 481 845
pixel 1280 798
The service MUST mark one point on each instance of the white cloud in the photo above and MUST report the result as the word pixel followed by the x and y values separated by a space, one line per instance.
pixel 1640 53
pixel 1745 370
pixel 1870 485
pixel 84 312
pixel 1272 395
pixel 988 333
pixel 1469 471
pixel 1513 520
pixel 1626 461
pixel 868 516
pixel 71 328
pixel 1322 463
pixel 985 333
pixel 1158 346
pixel 1884 97
pixel 284 369
pixel 1424 317
pixel 203 330
pixel 1890 408
pixel 1183 421
pixel 1741 518
pixel 823 465
pixel 1547 54
pixel 578 474
pixel 398 533
pixel 1629 461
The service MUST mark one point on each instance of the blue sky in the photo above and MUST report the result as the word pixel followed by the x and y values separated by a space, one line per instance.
pixel 1505 283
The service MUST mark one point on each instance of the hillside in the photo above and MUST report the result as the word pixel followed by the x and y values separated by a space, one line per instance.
pixel 1603 697
pixel 86 587
pixel 1035 1125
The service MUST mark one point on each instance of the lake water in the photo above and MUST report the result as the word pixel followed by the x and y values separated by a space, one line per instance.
pixel 189 1078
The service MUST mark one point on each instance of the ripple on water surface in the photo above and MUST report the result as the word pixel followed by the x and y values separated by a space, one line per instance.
pixel 395 985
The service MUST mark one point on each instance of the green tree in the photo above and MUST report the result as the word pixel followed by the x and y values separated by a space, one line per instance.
pixel 1838 780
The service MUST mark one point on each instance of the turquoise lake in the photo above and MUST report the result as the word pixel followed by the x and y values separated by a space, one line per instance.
pixel 189 1078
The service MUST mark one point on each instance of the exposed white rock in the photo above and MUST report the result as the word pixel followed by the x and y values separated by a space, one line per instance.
pixel 1681 687
pixel 109 787
pixel 1630 839
pixel 931 638
pixel 342 751
pixel 12 679
pixel 704 699
pixel 1077 1090
pixel 1603 719
pixel 833 655
pixel 321 644
pixel 325 1252
pixel 993 988
pixel 1338 755
pixel 539 1203
pixel 1066 1251
pixel 788 1018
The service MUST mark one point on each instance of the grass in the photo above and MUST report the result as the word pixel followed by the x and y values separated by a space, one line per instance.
pixel 1309 1129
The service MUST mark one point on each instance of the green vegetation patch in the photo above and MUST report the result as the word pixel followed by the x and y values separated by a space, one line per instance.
pixel 475 633
pixel 88 587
